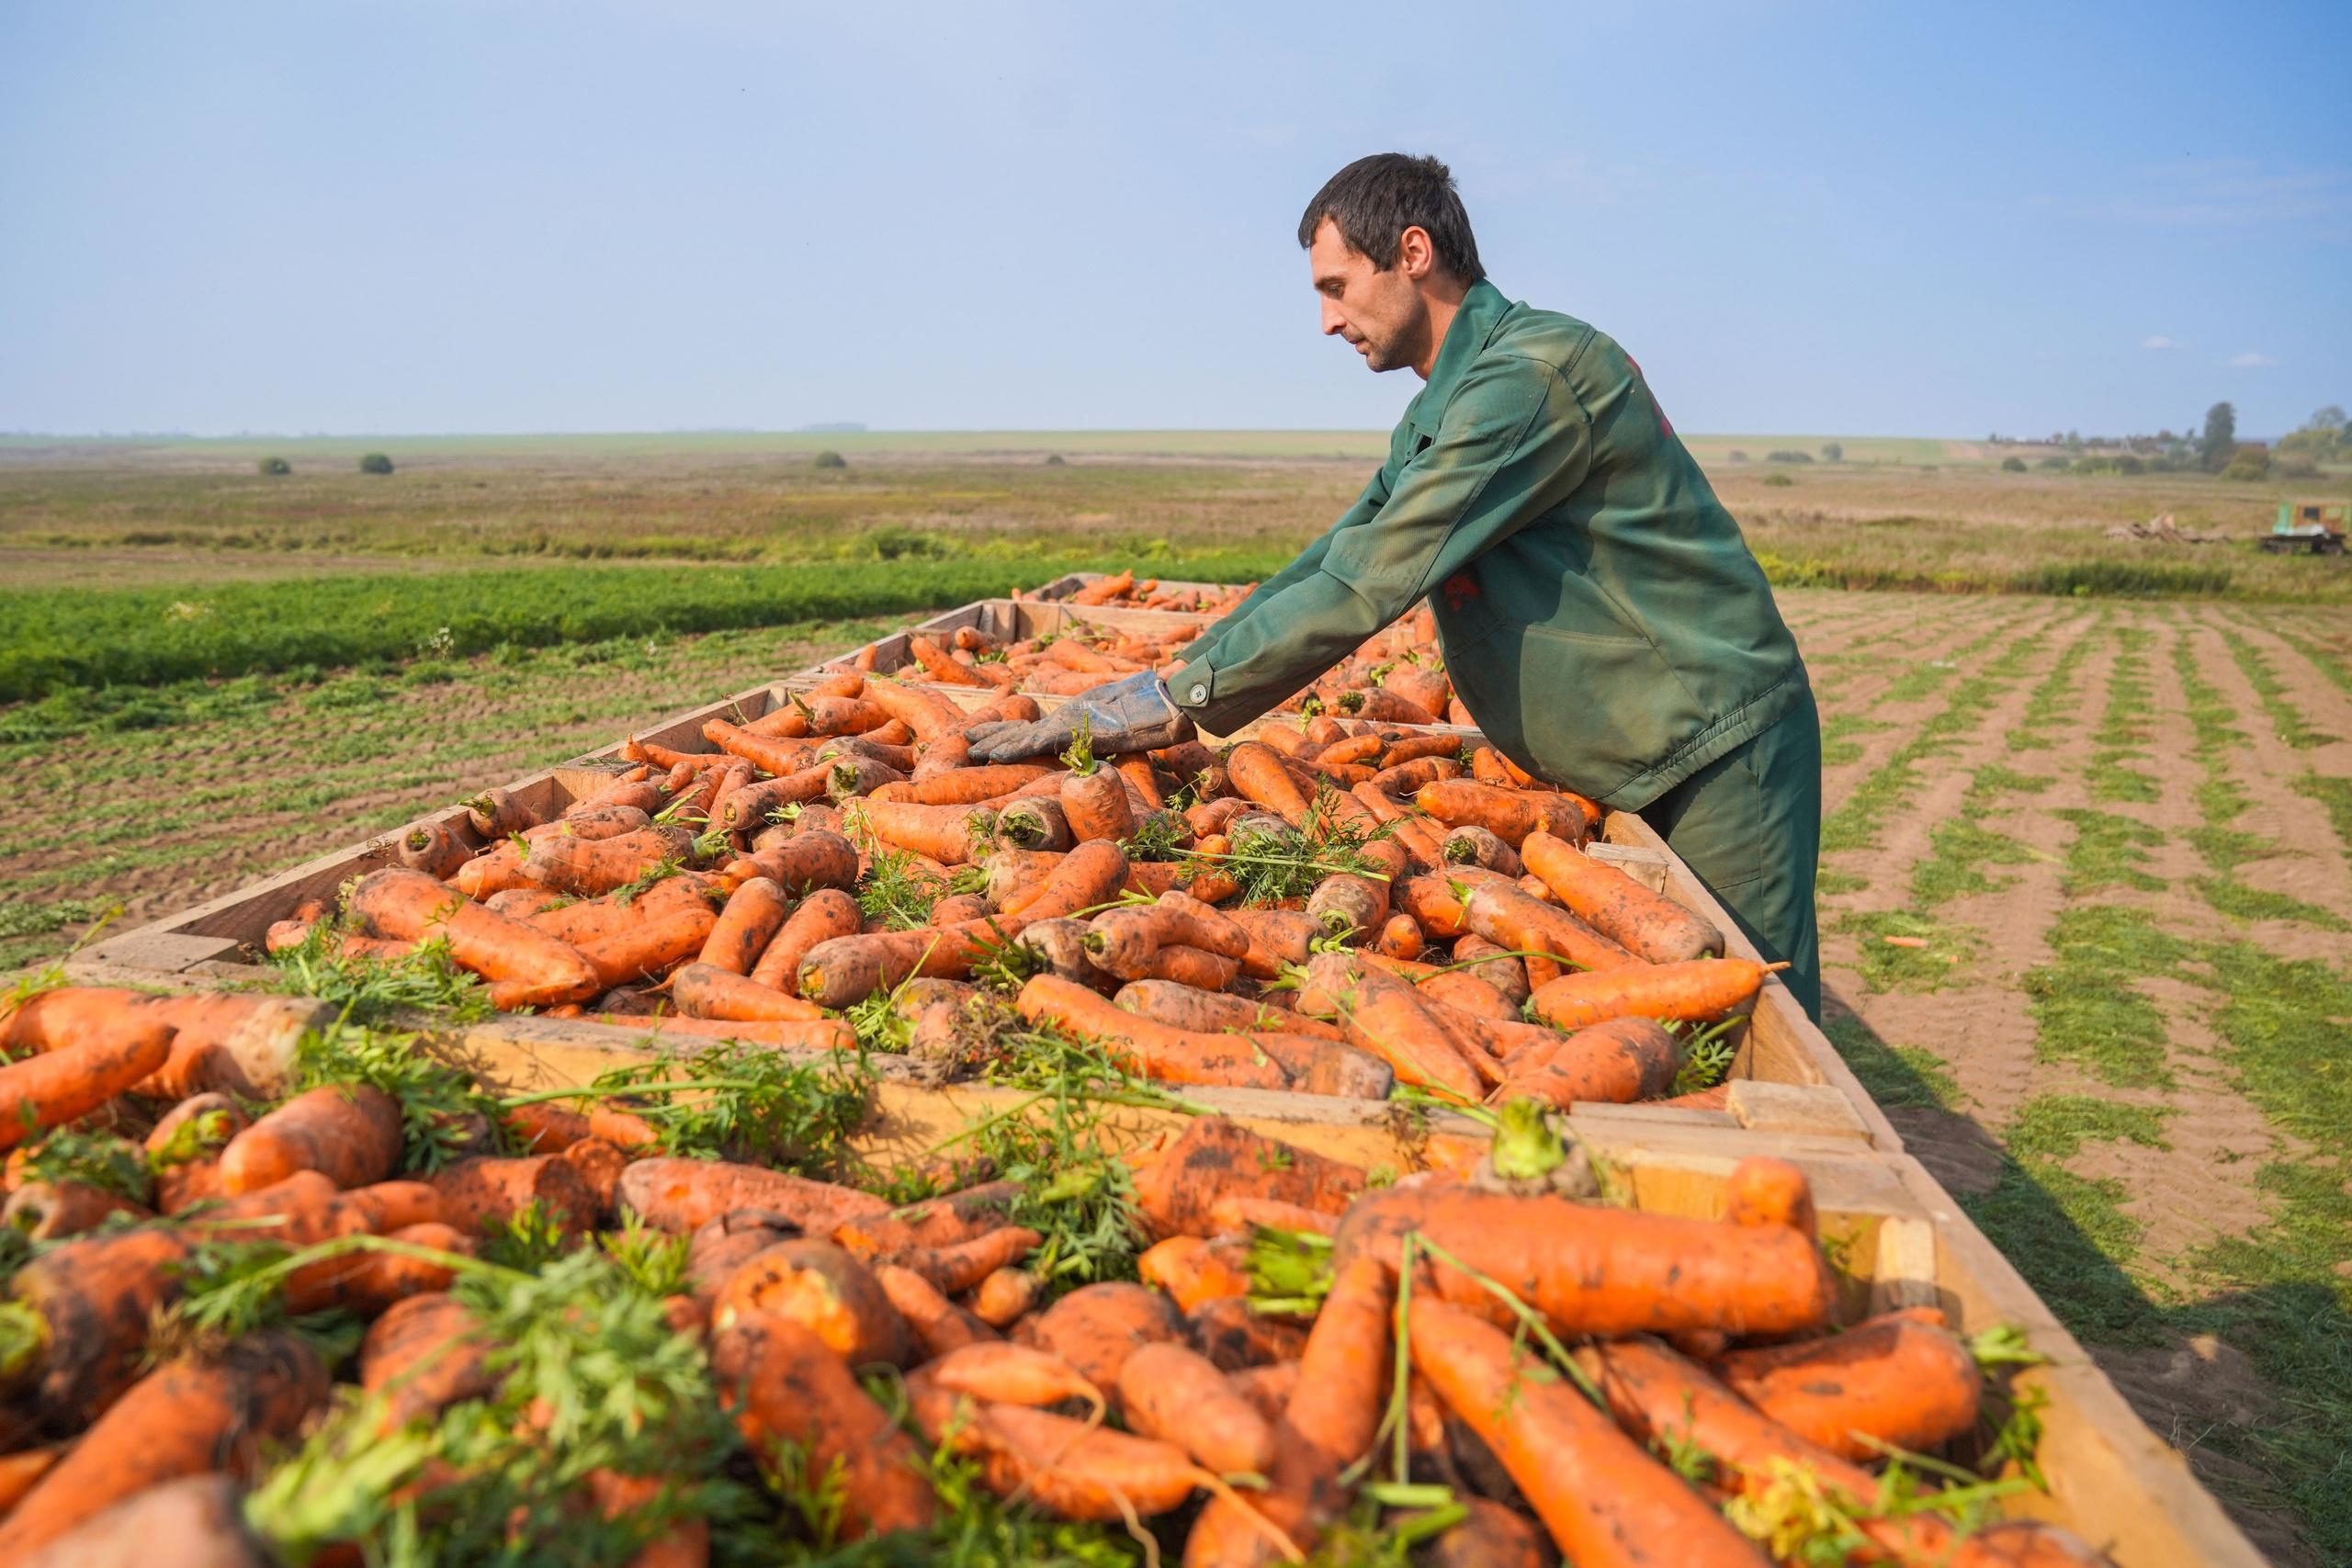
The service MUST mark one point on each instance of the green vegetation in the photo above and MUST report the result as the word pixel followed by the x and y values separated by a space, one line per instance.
pixel 2122 733
pixel 2284 719
pixel 2085 1007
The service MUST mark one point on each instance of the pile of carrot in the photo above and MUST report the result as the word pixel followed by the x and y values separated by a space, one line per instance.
pixel 1476 1362
pixel 1127 590
pixel 1434 923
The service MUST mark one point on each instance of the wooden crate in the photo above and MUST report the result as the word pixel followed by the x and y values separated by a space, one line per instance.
pixel 1003 620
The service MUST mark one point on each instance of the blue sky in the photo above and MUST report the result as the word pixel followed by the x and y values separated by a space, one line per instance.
pixel 1825 217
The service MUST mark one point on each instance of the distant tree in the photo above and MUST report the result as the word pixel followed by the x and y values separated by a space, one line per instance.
pixel 831 460
pixel 1788 456
pixel 2013 464
pixel 273 466
pixel 1831 452
pixel 1778 479
pixel 2052 461
pixel 2250 463
pixel 2220 438
pixel 1054 460
pixel 1737 456
pixel 2329 418
pixel 375 463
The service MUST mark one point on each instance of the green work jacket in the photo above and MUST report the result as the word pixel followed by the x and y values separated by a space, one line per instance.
pixel 1601 618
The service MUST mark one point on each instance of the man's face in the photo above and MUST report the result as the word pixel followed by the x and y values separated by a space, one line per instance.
pixel 1380 312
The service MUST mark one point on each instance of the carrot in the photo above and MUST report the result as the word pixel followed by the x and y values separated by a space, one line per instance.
pixel 1599 1271
pixel 1006 1296
pixel 929 717
pixel 951 835
pixel 970 786
pixel 1239 1214
pixel 1217 1157
pixel 589 868
pixel 481 1194
pixel 1522 924
pixel 961 1267
pixel 827 913
pixel 749 920
pixel 1510 815
pixel 718 1249
pixel 1096 1327
pixel 1194 1270
pixel 1696 992
pixel 1034 823
pixel 1004 1374
pixel 1494 965
pixel 1606 1503
pixel 797 1034
pixel 820 1287
pixel 705 990
pixel 1277 938
pixel 1464 992
pixel 69 1082
pixel 1493 1536
pixel 1257 774
pixel 431 848
pixel 1648 924
pixel 1104 590
pixel 1203 1012
pixel 368 1283
pixel 1382 1015
pixel 1177 1396
pixel 944 1221
pixel 1175 1055
pixel 52 1211
pixel 1096 805
pixel 1614 1063
pixel 1074 1469
pixel 810 859
pixel 770 756
pixel 1343 1381
pixel 1124 939
pixel 349 1133
pixel 938 1325
pixel 20 1470
pixel 1469 845
pixel 682 1194
pixel 495 813
pixel 1399 936
pixel 1893 1381
pixel 93 1296
pixel 526 966
pixel 1388 707
pixel 188 1416
pixel 1762 1191
pixel 786 1386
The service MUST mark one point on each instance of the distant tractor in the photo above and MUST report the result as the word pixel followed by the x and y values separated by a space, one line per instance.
pixel 2308 528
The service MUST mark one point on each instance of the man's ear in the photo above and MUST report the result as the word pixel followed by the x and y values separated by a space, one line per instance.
pixel 1415 255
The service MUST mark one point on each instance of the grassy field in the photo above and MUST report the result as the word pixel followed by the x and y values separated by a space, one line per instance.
pixel 2119 815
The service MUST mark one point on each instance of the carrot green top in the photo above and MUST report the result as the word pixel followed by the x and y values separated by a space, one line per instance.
pixel 1601 615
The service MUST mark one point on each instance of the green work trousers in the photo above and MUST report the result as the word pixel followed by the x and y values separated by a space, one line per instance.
pixel 1748 825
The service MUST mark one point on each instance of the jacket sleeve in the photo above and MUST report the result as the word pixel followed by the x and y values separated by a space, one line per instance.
pixel 1310 559
pixel 1513 443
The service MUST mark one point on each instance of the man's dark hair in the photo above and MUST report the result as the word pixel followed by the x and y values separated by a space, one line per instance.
pixel 1374 200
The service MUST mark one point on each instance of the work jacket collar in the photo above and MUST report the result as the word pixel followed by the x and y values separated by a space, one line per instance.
pixel 1481 312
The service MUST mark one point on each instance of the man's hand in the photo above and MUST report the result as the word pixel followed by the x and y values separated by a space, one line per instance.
pixel 1132 714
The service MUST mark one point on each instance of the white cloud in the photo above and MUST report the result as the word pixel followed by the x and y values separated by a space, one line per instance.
pixel 2160 343
pixel 2251 361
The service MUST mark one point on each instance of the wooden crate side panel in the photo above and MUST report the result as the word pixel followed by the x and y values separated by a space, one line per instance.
pixel 1782 1044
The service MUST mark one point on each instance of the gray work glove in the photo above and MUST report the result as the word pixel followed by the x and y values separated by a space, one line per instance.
pixel 1131 715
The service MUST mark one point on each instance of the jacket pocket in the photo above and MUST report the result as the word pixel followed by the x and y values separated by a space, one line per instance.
pixel 1591 710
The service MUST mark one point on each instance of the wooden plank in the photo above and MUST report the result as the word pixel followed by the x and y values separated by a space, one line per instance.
pixel 1646 867
pixel 1816 1109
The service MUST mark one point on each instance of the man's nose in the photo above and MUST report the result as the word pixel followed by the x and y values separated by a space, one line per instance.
pixel 1332 320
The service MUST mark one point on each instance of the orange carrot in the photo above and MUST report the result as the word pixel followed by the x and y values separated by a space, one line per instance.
pixel 1005 1373
pixel 1095 805
pixel 961 1265
pixel 431 848
pixel 682 1194
pixel 71 1081
pixel 1342 1383
pixel 1258 773
pixel 1203 1012
pixel 951 835
pixel 52 1211
pixel 349 1133
pixel 787 1387
pixel 1175 1055
pixel 1522 924
pixel 971 786
pixel 705 990
pixel 481 1194
pixel 1615 1062
pixel 1893 1381
pixel 1216 1158
pixel 753 913
pixel 526 967
pixel 588 868
pixel 810 859
pixel 1073 1468
pixel 1648 924
pixel 1399 936
pixel 820 1287
pixel 827 913
pixel 1096 1327
pixel 944 1221
pixel 188 1416
pixel 1696 992
pixel 1607 1503
pixel 1382 1015
pixel 1601 1271
pixel 1194 1270
pixel 1006 1296
pixel 1176 1394
pixel 938 1325
pixel 1510 815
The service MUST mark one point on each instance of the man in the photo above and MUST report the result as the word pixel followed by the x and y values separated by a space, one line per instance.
pixel 1601 615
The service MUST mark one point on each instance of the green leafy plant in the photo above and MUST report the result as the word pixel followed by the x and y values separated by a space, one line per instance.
pixel 369 990
pixel 735 1102
pixel 444 1112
